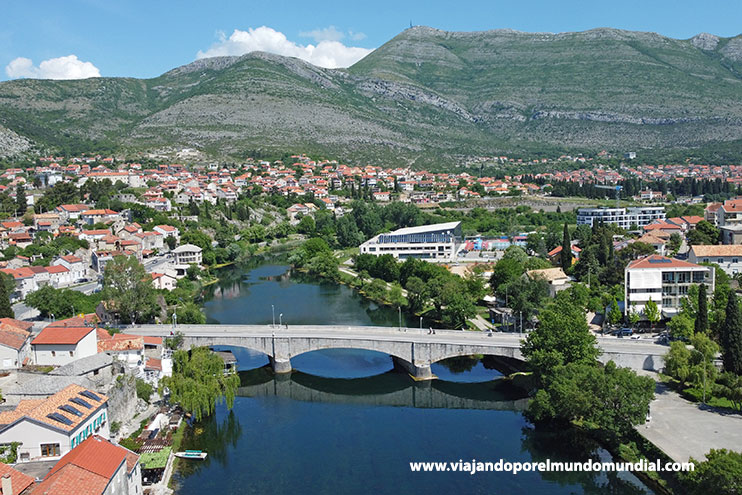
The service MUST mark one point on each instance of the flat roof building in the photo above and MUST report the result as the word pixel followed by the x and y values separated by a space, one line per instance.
pixel 663 280
pixel 623 217
pixel 432 242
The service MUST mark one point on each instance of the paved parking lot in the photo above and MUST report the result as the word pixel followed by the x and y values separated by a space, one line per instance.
pixel 684 429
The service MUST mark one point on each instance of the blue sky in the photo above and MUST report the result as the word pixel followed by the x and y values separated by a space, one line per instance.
pixel 82 38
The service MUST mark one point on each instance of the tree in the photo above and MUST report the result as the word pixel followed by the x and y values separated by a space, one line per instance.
pixel 674 243
pixel 720 474
pixel 702 317
pixel 6 310
pixel 702 373
pixel 459 308
pixel 565 256
pixel 505 272
pixel 729 386
pixel 144 390
pixel 731 336
pixel 614 314
pixel 652 312
pixel 306 225
pixel 704 233
pixel 190 313
pixel 395 296
pixel 128 288
pixel 562 337
pixel 20 199
pixel 678 361
pixel 515 253
pixel 681 326
pixel 199 381
pixel 416 293
pixel 171 242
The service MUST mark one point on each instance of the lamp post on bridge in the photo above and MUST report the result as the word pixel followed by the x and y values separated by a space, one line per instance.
pixel 273 312
pixel 399 308
pixel 280 320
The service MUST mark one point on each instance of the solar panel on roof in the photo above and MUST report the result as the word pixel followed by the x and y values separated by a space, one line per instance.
pixel 59 418
pixel 661 260
pixel 81 402
pixel 90 395
pixel 70 409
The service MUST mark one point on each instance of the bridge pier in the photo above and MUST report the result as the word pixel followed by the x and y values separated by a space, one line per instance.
pixel 281 365
pixel 417 371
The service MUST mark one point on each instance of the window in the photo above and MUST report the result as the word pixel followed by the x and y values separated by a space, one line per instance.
pixel 735 260
pixel 54 353
pixel 50 450
pixel 72 353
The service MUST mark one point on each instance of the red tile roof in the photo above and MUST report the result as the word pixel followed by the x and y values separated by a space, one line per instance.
pixel 72 480
pixel 61 335
pixel 657 261
pixel 19 480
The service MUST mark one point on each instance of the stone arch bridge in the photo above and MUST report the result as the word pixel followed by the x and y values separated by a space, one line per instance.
pixel 411 348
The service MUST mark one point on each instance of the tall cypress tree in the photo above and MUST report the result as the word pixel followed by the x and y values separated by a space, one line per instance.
pixel 702 316
pixel 731 337
pixel 6 310
pixel 565 257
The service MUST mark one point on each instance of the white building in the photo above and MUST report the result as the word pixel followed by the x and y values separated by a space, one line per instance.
pixel 663 280
pixel 50 428
pixel 75 265
pixel 187 254
pixel 57 346
pixel 96 467
pixel 434 242
pixel 623 217
pixel 15 343
pixel 728 257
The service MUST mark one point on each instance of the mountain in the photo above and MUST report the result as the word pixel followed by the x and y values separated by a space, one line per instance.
pixel 426 96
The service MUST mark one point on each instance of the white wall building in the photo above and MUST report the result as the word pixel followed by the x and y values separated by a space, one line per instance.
pixel 50 428
pixel 433 242
pixel 57 346
pixel 623 217
pixel 663 280
pixel 728 257
pixel 187 254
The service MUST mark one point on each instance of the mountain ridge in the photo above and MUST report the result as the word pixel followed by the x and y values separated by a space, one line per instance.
pixel 425 95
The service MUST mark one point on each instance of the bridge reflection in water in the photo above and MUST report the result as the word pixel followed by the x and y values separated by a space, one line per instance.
pixel 387 389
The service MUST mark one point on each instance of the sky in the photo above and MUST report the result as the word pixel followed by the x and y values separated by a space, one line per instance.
pixel 72 39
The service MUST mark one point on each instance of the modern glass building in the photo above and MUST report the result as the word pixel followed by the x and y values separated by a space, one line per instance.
pixel 623 217
pixel 433 242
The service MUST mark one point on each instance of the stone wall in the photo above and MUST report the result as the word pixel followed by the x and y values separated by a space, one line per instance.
pixel 122 398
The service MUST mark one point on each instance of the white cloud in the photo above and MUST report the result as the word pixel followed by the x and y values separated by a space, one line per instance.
pixel 69 67
pixel 326 53
pixel 326 34
pixel 356 36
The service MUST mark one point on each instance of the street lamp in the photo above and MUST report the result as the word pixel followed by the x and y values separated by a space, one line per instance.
pixel 280 320
pixel 399 308
pixel 273 312
pixel 421 323
pixel 52 315
pixel 175 319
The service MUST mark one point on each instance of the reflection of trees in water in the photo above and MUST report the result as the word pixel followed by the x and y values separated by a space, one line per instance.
pixel 572 446
pixel 213 438
pixel 460 364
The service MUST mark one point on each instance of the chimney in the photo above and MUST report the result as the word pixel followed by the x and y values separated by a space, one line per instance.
pixel 7 485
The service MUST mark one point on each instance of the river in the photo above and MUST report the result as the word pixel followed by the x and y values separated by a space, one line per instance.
pixel 345 422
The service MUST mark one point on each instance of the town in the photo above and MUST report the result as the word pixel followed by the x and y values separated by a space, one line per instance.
pixel 93 249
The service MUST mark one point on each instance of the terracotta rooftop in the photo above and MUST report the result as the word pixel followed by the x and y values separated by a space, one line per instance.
pixel 19 480
pixel 660 262
pixel 118 341
pixel 713 250
pixel 39 409
pixel 61 335
pixel 72 480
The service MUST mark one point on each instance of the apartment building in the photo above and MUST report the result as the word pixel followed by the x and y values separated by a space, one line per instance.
pixel 623 217
pixel 435 242
pixel 663 280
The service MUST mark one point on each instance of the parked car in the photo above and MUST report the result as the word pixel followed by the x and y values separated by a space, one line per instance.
pixel 623 332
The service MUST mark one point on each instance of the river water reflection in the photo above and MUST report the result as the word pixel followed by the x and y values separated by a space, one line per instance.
pixel 344 422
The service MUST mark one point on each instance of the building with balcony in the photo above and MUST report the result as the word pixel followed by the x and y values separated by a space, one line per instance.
pixel 623 217
pixel 663 280
pixel 187 254
pixel 431 242
pixel 728 257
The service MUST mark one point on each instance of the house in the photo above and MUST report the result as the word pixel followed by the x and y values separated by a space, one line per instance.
pixel 731 234
pixel 75 265
pixel 167 231
pixel 555 277
pixel 165 281
pixel 57 346
pixel 91 217
pixel 25 282
pixel 555 253
pixel 656 241
pixel 729 213
pixel 187 254
pixel 14 482
pixel 663 280
pixel 709 214
pixel 71 212
pixel 126 348
pixel 728 257
pixel 15 343
pixel 59 276
pixel 50 428
pixel 95 467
